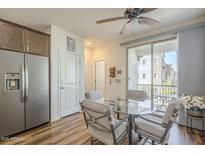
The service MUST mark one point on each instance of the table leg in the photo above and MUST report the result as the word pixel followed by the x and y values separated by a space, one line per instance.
pixel 187 125
pixel 140 137
pixel 203 127
pixel 118 115
pixel 153 142
pixel 130 129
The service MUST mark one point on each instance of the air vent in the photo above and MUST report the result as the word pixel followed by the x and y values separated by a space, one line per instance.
pixel 71 44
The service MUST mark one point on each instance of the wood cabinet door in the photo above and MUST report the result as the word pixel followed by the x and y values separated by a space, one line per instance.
pixel 11 37
pixel 36 43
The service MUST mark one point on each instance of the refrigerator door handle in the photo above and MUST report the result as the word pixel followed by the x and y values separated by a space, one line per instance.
pixel 22 83
pixel 26 90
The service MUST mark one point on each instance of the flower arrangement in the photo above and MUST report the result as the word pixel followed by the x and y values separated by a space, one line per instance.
pixel 190 101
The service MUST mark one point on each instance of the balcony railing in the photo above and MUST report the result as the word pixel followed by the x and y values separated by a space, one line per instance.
pixel 161 93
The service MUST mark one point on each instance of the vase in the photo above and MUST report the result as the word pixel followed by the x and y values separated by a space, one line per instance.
pixel 195 112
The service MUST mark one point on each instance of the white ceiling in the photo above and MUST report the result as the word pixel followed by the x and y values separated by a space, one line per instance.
pixel 82 21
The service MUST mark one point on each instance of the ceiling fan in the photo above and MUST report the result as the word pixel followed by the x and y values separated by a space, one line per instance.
pixel 133 14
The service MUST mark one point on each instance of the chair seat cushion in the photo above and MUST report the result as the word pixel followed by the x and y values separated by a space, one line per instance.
pixel 153 117
pixel 148 128
pixel 107 137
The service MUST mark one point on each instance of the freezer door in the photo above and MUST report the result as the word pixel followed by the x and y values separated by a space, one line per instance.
pixel 37 90
pixel 12 117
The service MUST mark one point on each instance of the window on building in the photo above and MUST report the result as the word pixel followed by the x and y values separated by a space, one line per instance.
pixel 155 75
pixel 144 75
pixel 155 60
pixel 144 61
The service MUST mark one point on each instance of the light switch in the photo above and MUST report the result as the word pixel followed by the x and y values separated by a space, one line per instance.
pixel 118 80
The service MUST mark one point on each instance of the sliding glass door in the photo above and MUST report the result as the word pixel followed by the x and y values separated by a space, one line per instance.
pixel 152 69
pixel 164 72
pixel 139 69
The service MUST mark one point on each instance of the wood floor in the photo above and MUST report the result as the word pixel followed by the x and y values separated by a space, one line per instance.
pixel 72 130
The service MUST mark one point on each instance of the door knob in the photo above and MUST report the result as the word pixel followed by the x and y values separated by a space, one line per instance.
pixel 62 87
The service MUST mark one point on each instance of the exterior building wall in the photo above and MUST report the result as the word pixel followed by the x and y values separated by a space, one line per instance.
pixel 144 69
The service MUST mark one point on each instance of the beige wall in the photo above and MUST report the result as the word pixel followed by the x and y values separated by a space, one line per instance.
pixel 114 56
pixel 88 70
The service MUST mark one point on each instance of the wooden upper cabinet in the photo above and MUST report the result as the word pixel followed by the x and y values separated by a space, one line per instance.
pixel 11 37
pixel 16 37
pixel 36 43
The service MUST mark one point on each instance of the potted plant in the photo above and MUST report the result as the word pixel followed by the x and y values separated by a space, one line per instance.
pixel 194 105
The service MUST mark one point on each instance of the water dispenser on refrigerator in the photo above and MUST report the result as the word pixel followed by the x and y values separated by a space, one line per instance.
pixel 12 82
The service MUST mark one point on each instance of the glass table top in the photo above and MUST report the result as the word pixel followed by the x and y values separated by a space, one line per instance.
pixel 129 107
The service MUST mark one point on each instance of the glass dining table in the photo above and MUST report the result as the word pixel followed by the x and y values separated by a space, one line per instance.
pixel 129 108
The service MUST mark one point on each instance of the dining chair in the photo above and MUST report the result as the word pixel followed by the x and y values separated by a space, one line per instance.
pixel 102 125
pixel 138 95
pixel 155 128
pixel 94 95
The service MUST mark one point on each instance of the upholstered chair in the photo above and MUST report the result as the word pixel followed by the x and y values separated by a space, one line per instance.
pixel 137 95
pixel 101 124
pixel 155 128
pixel 93 95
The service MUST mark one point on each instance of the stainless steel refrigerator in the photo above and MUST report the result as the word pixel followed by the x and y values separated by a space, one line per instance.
pixel 24 92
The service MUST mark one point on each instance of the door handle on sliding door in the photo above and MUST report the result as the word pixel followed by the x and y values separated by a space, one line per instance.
pixel 22 83
pixel 26 86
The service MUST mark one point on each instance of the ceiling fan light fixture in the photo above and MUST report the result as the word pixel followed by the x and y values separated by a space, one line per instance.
pixel 132 14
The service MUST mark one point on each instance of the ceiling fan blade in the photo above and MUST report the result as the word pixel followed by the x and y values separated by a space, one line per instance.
pixel 146 10
pixel 109 20
pixel 148 21
pixel 124 28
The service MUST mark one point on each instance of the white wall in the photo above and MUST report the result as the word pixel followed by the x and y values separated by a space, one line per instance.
pixel 58 43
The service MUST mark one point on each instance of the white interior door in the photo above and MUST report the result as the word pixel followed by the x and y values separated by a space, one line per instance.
pixel 69 84
pixel 100 75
